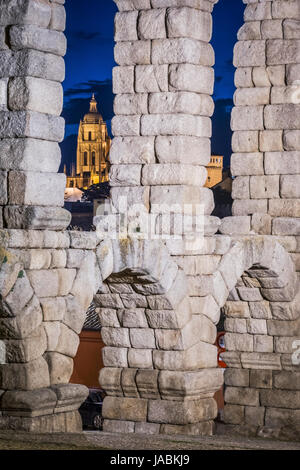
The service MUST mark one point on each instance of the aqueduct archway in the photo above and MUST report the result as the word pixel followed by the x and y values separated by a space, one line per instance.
pixel 162 143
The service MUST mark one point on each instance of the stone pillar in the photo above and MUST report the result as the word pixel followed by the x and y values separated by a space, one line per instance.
pixel 37 341
pixel 32 45
pixel 161 145
pixel 162 124
pixel 265 119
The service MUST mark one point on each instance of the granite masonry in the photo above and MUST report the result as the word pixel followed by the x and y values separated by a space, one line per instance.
pixel 158 298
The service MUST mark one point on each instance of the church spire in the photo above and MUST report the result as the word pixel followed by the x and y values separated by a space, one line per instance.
pixel 93 105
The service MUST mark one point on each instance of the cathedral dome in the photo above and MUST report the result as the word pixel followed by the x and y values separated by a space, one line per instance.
pixel 93 117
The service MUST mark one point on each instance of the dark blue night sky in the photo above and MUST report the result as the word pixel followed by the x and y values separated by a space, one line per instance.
pixel 89 63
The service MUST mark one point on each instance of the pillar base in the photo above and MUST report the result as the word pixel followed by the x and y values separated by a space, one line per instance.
pixel 46 410
pixel 204 428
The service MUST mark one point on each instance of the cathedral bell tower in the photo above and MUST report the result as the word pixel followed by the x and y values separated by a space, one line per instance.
pixel 93 144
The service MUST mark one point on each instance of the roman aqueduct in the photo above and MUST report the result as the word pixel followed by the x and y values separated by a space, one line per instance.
pixel 158 299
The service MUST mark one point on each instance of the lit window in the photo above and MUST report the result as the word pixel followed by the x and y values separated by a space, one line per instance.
pixel 85 156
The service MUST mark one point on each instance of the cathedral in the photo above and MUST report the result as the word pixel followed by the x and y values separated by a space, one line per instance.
pixel 93 144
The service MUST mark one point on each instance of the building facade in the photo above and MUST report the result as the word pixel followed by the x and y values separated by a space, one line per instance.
pixel 93 144
pixel 214 171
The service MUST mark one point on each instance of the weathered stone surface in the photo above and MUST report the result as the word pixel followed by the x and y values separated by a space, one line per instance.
pixel 181 102
pixel 32 63
pixel 33 37
pixel 29 188
pixel 182 50
pixel 130 409
pixel 249 53
pixel 27 376
pixel 191 411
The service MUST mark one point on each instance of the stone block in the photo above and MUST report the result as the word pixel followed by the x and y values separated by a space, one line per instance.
pixel 271 29
pixel 236 377
pixel 252 96
pixel 255 415
pixel 243 77
pixel 29 155
pixel 245 141
pixel 257 11
pixel 199 356
pixel 30 188
pixel 236 309
pixel 242 396
pixel 291 140
pixel 130 150
pixel 126 26
pixel 286 226
pixel 33 37
pixel 249 53
pixel 31 124
pixel 243 164
pixel 142 338
pixel 58 17
pixel 123 79
pixel 238 342
pixel 114 357
pixel 285 9
pixel 140 358
pixel 129 409
pixel 151 78
pixel 133 53
pixel 170 124
pixel 191 411
pixel 110 380
pixel 27 376
pixel 165 197
pixel 281 163
pixel 283 51
pixel 125 175
pixel 249 31
pixel 29 62
pixel 284 208
pixel 280 398
pixel 270 141
pixel 181 51
pixel 38 13
pixel 125 125
pixel 147 383
pixel 180 102
pixel 152 24
pixel 54 308
pixel 35 94
pixel 235 225
pixel 117 337
pixel 247 118
pixel 178 386
pixel 249 206
pixel 172 149
pixel 282 116
pixel 287 380
pixel 236 325
pixel 188 22
pixel 118 426
pixel 130 103
pixel 260 360
pixel 289 186
pixel 169 174
pixel 261 379
pixel 234 414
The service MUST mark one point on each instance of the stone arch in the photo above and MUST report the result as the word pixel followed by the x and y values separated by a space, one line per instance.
pixel 157 353
pixel 262 324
